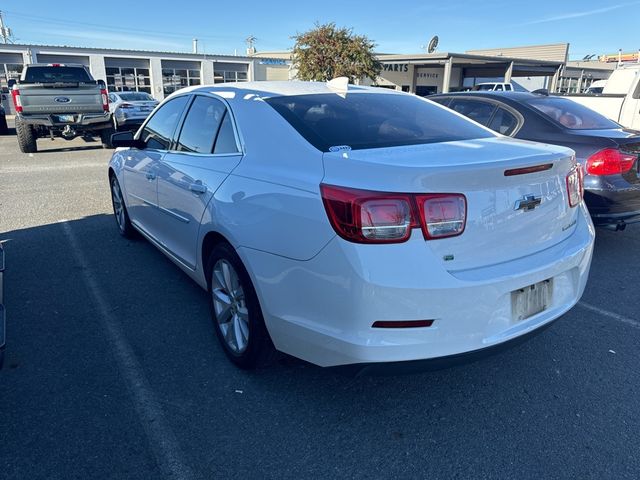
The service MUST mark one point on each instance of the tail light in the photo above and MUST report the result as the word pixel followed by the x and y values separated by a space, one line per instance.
pixel 363 216
pixel 575 185
pixel 125 105
pixel 17 102
pixel 610 161
pixel 105 100
pixel 444 215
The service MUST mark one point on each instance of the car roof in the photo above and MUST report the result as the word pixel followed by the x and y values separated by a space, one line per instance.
pixel 516 96
pixel 282 88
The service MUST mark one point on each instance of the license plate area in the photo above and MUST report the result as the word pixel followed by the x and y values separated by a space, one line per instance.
pixel 64 118
pixel 531 300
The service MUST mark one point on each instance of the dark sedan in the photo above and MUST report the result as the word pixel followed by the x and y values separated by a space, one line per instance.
pixel 607 151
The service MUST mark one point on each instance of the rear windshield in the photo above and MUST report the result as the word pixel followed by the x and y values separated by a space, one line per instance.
pixel 570 114
pixel 56 75
pixel 135 96
pixel 372 120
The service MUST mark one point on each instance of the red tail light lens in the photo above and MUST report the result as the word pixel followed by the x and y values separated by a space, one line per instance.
pixel 125 105
pixel 369 217
pixel 444 215
pixel 105 100
pixel 610 161
pixel 575 185
pixel 17 102
pixel 363 216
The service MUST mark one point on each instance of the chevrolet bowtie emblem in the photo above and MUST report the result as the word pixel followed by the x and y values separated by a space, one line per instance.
pixel 528 202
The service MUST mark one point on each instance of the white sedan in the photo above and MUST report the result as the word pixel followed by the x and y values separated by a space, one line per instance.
pixel 354 226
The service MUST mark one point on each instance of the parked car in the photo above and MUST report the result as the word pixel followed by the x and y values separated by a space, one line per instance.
pixel 355 225
pixel 60 100
pixel 130 109
pixel 608 152
pixel 596 87
pixel 4 129
pixel 619 99
pixel 493 87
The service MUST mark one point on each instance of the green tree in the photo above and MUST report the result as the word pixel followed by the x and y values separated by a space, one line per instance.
pixel 327 52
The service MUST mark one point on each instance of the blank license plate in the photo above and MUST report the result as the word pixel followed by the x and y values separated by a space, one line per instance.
pixel 529 301
pixel 65 118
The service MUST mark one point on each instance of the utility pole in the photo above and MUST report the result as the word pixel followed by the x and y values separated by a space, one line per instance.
pixel 5 32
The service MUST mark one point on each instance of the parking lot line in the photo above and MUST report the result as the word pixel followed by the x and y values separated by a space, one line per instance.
pixel 161 438
pixel 621 318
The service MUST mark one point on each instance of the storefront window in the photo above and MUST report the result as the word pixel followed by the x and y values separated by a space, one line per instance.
pixel 122 79
pixel 223 76
pixel 175 78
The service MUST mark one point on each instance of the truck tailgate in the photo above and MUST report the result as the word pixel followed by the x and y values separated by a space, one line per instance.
pixel 40 99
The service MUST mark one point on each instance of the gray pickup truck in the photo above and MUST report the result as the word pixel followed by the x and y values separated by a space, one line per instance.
pixel 60 100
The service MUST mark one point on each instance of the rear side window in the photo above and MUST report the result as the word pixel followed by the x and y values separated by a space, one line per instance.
pixel 226 139
pixel 372 120
pixel 56 75
pixel 570 114
pixel 201 125
pixel 136 97
pixel 476 110
pixel 158 131
pixel 503 122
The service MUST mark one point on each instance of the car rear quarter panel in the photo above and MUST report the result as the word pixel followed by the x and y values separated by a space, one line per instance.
pixel 271 201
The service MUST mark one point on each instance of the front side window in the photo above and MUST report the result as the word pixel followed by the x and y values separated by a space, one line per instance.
pixel 158 131
pixel 372 120
pixel 201 125
pixel 570 114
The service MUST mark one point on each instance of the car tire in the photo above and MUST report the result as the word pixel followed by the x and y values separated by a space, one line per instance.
pixel 105 137
pixel 120 209
pixel 236 311
pixel 26 137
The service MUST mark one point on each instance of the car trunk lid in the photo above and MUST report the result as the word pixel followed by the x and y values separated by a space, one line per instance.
pixel 498 227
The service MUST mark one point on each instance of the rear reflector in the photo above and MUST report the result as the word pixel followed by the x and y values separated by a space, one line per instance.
pixel 525 170
pixel 403 324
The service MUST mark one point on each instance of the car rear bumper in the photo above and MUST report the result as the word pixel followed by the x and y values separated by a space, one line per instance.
pixel 322 310
pixel 613 200
pixel 93 120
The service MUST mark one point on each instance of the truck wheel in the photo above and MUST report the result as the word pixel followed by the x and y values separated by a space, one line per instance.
pixel 105 137
pixel 26 137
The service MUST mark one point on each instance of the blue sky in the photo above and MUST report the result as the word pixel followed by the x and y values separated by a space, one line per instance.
pixel 396 27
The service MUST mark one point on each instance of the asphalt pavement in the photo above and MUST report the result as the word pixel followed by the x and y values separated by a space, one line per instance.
pixel 113 370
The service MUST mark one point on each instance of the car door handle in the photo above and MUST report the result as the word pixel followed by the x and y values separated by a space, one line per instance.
pixel 198 187
pixel 150 176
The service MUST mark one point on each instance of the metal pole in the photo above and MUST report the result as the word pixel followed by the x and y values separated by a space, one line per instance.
pixel 3 30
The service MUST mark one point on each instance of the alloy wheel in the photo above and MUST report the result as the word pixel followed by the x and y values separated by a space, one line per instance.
pixel 230 306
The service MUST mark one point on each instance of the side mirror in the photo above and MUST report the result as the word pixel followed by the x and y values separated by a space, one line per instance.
pixel 126 140
pixel 101 84
pixel 11 83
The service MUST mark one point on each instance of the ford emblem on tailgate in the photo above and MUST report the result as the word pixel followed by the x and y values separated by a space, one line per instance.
pixel 62 99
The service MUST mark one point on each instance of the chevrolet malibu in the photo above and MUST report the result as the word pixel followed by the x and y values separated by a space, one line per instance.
pixel 353 225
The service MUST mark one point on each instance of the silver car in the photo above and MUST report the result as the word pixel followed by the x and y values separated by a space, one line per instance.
pixel 130 109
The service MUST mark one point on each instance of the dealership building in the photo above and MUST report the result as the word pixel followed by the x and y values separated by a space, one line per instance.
pixel 157 73
pixel 161 73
